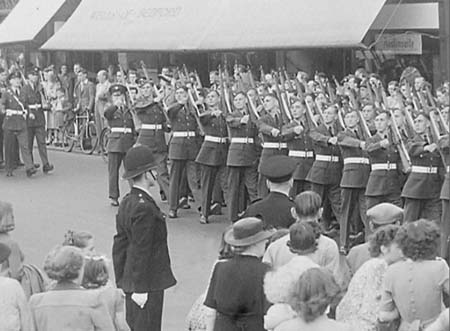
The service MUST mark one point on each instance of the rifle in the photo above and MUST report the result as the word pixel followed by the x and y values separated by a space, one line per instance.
pixel 434 127
pixel 197 79
pixel 251 79
pixel 341 118
pixel 42 91
pixel 284 106
pixel 224 95
pixel 364 127
pixel 411 96
pixel 263 75
pixel 397 139
pixel 197 111
pixel 253 107
pixel 123 81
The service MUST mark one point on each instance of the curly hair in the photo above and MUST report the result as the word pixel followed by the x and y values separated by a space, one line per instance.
pixel 64 263
pixel 419 240
pixel 383 236
pixel 95 272
pixel 315 290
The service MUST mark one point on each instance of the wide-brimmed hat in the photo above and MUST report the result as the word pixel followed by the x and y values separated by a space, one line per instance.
pixel 385 213
pixel 246 232
pixel 138 160
pixel 5 251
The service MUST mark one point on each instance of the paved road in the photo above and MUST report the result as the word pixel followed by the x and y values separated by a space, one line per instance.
pixel 74 196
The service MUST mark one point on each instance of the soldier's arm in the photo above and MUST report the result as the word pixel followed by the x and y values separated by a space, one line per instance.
pixel 233 121
pixel 109 112
pixel 319 138
pixel 288 131
pixel 172 112
pixel 347 141
pixel 205 117
pixel 373 145
pixel 119 251
pixel 263 127
pixel 443 143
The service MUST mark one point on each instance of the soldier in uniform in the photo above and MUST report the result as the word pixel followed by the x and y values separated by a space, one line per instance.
pixel 121 138
pixel 274 143
pixel 445 197
pixel 354 180
pixel 36 118
pixel 326 171
pixel 242 157
pixel 384 184
pixel 213 153
pixel 423 186
pixel 275 208
pixel 183 149
pixel 152 132
pixel 140 252
pixel 15 126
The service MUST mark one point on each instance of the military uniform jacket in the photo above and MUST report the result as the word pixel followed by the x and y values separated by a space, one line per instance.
pixel 445 150
pixel 423 185
pixel 183 120
pixel 152 136
pixel 356 172
pixel 265 125
pixel 383 182
pixel 244 153
pixel 10 101
pixel 300 148
pixel 213 153
pixel 32 97
pixel 121 138
pixel 140 253
pixel 325 172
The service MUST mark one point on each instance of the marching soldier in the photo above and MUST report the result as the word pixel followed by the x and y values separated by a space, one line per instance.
pixel 445 197
pixel 423 186
pixel 384 184
pixel 354 180
pixel 36 118
pixel 15 126
pixel 121 138
pixel 242 158
pixel 213 153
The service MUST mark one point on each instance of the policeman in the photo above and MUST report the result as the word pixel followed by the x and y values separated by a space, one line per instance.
pixel 242 157
pixel 15 125
pixel 140 252
pixel 121 138
pixel 32 94
pixel 275 208
pixel 354 179
pixel 423 186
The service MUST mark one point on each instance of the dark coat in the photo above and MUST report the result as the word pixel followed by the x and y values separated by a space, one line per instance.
pixel 265 125
pixel 274 210
pixel 153 139
pixel 9 101
pixel 212 153
pixel 445 149
pixel 119 142
pixel 84 96
pixel 140 253
pixel 32 96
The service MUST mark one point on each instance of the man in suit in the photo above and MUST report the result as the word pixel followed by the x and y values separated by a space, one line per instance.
pixel 140 251
pixel 275 208
pixel 84 93
pixel 121 138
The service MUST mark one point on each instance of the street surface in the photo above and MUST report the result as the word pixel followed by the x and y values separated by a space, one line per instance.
pixel 75 196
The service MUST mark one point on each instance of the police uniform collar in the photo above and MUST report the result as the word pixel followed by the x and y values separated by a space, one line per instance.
pixel 277 192
pixel 140 188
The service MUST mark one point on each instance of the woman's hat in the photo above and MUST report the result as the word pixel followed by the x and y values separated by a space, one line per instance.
pixel 5 251
pixel 138 160
pixel 246 232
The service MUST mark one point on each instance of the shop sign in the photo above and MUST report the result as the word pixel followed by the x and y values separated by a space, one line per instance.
pixel 406 43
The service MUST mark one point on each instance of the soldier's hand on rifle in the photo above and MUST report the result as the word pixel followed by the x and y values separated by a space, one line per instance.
pixel 259 109
pixel 430 148
pixel 158 98
pixel 333 140
pixel 32 117
pixel 216 113
pixel 275 132
pixel 384 143
pixel 362 145
pixel 298 129
pixel 245 119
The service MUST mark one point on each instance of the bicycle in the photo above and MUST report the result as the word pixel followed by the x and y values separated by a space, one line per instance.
pixel 103 143
pixel 80 131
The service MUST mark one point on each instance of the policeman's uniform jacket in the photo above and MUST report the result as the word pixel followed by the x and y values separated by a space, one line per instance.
pixel 214 149
pixel 17 106
pixel 153 127
pixel 33 99
pixel 271 145
pixel 327 166
pixel 385 176
pixel 140 253
pixel 356 161
pixel 243 138
pixel 425 179
pixel 120 121
pixel 445 149
pixel 300 148
pixel 184 144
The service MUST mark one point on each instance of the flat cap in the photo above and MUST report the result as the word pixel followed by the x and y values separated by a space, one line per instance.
pixel 278 169
pixel 117 88
pixel 385 213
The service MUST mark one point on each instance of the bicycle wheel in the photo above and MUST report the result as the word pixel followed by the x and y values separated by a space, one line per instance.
pixel 69 137
pixel 88 138
pixel 103 141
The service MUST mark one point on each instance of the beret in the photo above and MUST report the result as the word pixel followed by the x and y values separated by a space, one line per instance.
pixel 385 213
pixel 278 168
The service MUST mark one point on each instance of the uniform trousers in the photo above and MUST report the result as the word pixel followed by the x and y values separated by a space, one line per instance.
pixel 114 161
pixel 221 181
pixel 147 318
pixel 11 137
pixel 207 182
pixel 353 214
pixel 331 198
pixel 239 179
pixel 300 185
pixel 39 133
pixel 430 209
pixel 445 229
pixel 393 198
pixel 162 173
pixel 1 138
pixel 175 180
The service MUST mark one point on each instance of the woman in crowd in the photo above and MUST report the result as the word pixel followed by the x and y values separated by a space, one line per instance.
pixel 14 311
pixel 235 294
pixel 68 306
pixel 361 303
pixel 416 285
pixel 81 239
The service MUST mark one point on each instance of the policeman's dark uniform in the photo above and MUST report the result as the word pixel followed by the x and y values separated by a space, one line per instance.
pixel 120 140
pixel 140 252
pixel 384 184
pixel 152 135
pixel 445 197
pixel 353 185
pixel 242 162
pixel 275 208
pixel 423 186
pixel 326 171
pixel 213 159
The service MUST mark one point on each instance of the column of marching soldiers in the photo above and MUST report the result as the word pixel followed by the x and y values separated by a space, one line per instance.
pixel 356 143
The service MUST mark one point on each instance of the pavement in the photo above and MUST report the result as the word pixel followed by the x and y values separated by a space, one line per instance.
pixel 75 196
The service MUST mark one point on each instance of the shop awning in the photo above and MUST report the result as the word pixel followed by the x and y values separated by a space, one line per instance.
pixel 27 19
pixel 408 16
pixel 177 25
